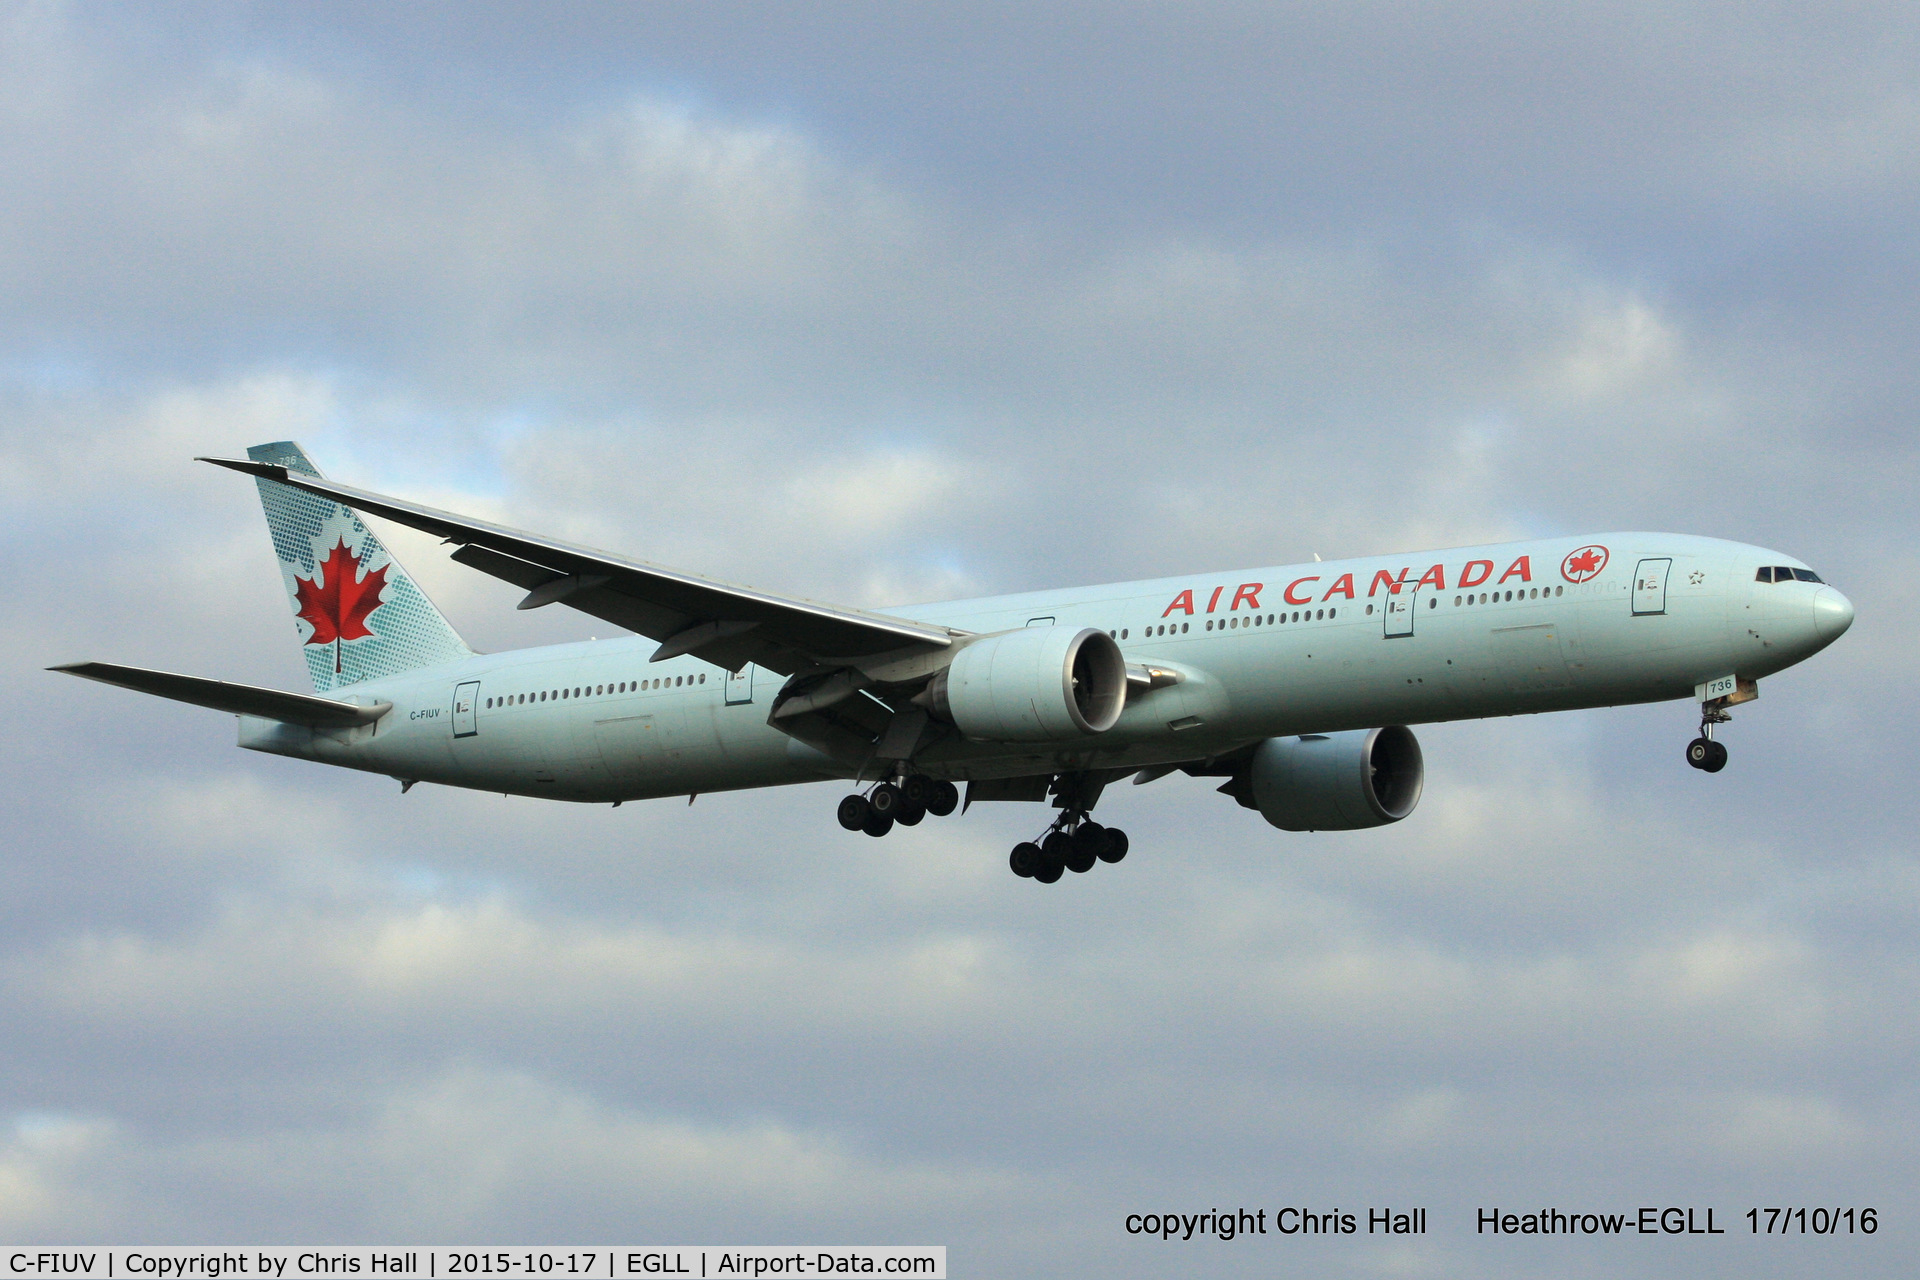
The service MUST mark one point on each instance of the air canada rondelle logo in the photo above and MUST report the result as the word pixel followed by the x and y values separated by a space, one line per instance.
pixel 1584 564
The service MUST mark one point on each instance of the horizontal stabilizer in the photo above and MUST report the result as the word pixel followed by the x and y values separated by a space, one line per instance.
pixel 239 699
pixel 715 621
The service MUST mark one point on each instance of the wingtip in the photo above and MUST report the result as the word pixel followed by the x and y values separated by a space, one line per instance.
pixel 266 470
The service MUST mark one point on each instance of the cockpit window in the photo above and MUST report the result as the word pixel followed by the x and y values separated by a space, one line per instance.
pixel 1784 573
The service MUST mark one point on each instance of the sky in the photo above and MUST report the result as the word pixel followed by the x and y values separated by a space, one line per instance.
pixel 882 303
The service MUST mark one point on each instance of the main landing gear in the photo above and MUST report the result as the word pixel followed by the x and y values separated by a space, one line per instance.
pixel 1074 843
pixel 906 803
pixel 1703 753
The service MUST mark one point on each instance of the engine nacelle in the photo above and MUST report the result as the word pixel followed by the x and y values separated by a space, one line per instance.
pixel 1337 781
pixel 1037 684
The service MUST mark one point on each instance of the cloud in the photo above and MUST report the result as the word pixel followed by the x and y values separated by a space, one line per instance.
pixel 464 1154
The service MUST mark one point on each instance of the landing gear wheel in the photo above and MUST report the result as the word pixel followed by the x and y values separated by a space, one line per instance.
pixel 916 788
pixel 853 813
pixel 1053 857
pixel 909 814
pixel 1082 854
pixel 877 824
pixel 1116 843
pixel 885 799
pixel 1025 859
pixel 1707 755
pixel 944 800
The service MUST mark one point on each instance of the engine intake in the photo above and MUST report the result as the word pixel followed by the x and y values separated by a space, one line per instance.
pixel 1337 781
pixel 1037 684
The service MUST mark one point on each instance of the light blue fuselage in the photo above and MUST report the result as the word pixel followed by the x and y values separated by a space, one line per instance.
pixel 1325 662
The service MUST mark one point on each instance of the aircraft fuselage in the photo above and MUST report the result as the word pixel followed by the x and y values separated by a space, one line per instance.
pixel 1547 625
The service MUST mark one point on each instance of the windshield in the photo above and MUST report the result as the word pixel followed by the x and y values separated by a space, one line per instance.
pixel 1785 573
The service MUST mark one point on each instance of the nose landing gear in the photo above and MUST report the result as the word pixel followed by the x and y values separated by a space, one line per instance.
pixel 1703 753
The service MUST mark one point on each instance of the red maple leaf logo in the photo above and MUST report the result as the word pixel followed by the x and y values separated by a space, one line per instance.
pixel 1583 564
pixel 335 602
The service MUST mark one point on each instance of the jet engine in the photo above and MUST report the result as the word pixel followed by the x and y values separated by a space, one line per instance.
pixel 1037 684
pixel 1336 781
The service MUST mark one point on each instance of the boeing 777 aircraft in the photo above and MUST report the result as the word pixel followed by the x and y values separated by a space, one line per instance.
pixel 1294 683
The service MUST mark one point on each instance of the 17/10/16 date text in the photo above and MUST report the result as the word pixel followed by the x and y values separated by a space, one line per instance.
pixel 1813 1222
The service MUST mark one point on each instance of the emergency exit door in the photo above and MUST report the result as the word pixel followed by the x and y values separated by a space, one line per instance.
pixel 740 686
pixel 1650 586
pixel 466 722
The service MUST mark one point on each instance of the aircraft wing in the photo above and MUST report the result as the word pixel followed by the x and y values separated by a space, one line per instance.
pixel 239 699
pixel 727 625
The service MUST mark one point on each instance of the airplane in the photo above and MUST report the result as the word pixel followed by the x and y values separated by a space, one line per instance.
pixel 1295 684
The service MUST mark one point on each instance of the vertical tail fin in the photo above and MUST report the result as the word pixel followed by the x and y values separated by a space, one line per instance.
pixel 357 612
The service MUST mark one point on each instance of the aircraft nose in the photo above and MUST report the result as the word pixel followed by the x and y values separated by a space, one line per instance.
pixel 1832 613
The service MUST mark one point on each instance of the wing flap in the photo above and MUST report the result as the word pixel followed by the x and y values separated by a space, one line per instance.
pixel 238 699
pixel 787 633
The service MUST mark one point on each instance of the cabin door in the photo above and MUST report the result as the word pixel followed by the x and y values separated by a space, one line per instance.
pixel 466 720
pixel 1650 586
pixel 1400 613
